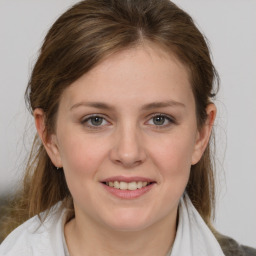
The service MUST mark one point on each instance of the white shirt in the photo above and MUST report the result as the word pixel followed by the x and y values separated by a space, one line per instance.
pixel 33 238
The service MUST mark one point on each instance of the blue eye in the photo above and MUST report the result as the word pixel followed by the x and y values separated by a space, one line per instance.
pixel 161 120
pixel 94 121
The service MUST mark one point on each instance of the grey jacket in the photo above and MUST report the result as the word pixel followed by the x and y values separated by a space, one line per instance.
pixel 232 248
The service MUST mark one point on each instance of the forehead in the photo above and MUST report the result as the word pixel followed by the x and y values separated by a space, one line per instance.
pixel 140 74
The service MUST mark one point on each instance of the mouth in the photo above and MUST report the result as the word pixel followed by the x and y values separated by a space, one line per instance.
pixel 122 185
pixel 128 187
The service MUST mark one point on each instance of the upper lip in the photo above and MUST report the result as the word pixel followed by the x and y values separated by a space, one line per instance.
pixel 127 179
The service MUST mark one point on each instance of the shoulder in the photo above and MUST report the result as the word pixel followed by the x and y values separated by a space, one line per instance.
pixel 231 247
pixel 35 237
pixel 18 241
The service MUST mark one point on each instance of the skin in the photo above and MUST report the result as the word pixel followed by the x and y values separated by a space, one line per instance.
pixel 128 142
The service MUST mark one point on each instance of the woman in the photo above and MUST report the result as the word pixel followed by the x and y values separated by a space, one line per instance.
pixel 122 96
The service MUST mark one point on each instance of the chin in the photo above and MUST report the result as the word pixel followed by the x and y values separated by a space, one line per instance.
pixel 128 220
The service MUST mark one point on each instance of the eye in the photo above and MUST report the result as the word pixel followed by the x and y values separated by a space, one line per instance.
pixel 161 120
pixel 94 121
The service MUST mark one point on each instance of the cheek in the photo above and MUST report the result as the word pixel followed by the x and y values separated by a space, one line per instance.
pixel 78 156
pixel 80 164
pixel 176 150
pixel 173 159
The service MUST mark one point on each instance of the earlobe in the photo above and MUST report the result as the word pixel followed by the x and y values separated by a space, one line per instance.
pixel 49 140
pixel 203 135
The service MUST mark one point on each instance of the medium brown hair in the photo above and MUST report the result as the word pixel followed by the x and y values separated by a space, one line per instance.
pixel 80 38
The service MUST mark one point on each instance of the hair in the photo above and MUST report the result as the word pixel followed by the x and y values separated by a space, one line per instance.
pixel 79 39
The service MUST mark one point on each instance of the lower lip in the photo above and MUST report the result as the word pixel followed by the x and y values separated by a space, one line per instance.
pixel 128 194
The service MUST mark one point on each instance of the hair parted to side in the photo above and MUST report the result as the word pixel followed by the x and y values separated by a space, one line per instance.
pixel 80 38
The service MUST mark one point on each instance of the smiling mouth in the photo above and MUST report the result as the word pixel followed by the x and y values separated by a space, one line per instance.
pixel 122 185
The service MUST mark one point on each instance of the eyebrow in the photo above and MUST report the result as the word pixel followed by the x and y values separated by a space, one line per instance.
pixel 99 105
pixel 162 104
pixel 153 105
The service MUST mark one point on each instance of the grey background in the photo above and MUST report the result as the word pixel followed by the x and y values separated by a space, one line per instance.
pixel 230 27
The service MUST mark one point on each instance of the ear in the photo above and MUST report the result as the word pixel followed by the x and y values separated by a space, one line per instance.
pixel 49 140
pixel 203 135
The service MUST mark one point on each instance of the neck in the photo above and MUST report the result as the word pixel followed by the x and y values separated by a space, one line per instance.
pixel 90 238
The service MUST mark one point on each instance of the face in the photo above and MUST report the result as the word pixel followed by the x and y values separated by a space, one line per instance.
pixel 126 137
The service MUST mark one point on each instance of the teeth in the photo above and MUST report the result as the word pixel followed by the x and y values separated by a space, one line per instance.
pixel 123 185
pixel 116 184
pixel 127 185
pixel 132 185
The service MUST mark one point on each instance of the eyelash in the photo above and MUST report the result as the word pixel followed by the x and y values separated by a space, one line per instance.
pixel 171 121
pixel 85 121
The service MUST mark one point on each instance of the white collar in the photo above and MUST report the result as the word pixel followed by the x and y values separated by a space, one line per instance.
pixel 193 237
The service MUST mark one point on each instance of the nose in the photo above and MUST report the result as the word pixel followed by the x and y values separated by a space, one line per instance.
pixel 128 149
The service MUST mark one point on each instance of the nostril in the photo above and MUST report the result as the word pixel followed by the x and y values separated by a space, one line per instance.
pixel 127 151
